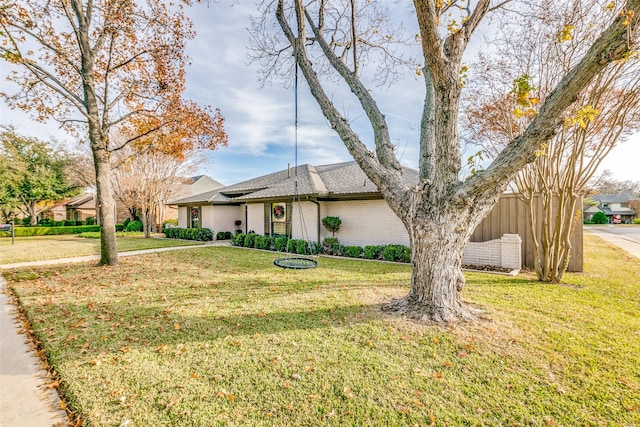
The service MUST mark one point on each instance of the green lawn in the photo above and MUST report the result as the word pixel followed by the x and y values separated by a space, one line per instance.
pixel 219 336
pixel 63 246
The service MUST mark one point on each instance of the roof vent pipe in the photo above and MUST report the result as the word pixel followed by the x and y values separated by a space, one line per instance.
pixel 289 170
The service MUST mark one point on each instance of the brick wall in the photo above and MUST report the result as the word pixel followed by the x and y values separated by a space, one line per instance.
pixel 503 252
pixel 365 222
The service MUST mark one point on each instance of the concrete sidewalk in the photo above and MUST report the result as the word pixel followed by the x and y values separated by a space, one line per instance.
pixel 25 399
pixel 626 243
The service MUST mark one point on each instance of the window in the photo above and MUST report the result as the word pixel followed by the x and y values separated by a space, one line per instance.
pixel 194 217
pixel 280 218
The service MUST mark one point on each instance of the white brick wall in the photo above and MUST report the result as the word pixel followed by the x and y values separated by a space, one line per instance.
pixel 182 217
pixel 365 222
pixel 206 212
pixel 255 218
pixel 308 230
pixel 504 252
pixel 224 217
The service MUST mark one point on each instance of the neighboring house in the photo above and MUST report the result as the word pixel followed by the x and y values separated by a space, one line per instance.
pixel 77 209
pixel 81 207
pixel 619 208
pixel 266 205
pixel 189 187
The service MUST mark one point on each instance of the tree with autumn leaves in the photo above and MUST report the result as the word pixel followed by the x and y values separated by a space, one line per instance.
pixel 442 209
pixel 604 114
pixel 102 67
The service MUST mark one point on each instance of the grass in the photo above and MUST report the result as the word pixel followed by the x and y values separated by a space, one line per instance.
pixel 219 336
pixel 63 246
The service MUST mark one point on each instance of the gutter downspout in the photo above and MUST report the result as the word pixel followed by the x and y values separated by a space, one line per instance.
pixel 318 213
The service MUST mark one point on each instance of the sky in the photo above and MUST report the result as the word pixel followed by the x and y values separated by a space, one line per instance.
pixel 260 121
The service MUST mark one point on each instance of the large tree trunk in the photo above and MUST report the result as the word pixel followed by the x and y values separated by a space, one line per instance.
pixel 438 234
pixel 105 204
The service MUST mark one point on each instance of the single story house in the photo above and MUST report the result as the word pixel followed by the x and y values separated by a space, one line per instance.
pixel 619 208
pixel 268 205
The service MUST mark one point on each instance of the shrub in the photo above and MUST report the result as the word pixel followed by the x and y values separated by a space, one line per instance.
pixel 69 223
pixel 220 235
pixel 372 252
pixel 79 223
pixel 406 254
pixel 264 242
pixel 249 240
pixel 315 248
pixel 636 221
pixel 199 234
pixel 239 239
pixel 58 223
pixel 228 235
pixel 48 231
pixel 586 222
pixel 90 221
pixel 127 221
pixel 26 221
pixel 137 226
pixel 120 227
pixel 332 224
pixel 393 252
pixel 599 218
pixel 302 247
pixel 46 222
pixel 331 246
pixel 353 251
pixel 291 246
pixel 280 243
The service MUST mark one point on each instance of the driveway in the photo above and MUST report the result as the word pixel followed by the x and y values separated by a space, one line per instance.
pixel 626 237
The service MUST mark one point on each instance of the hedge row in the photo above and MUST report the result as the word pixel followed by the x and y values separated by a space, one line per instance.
pixel 48 231
pixel 200 234
pixel 330 246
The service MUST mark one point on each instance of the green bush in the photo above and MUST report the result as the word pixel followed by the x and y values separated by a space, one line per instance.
pixel 120 227
pixel 302 247
pixel 26 221
pixel 353 251
pixel 49 231
pixel 239 239
pixel 46 222
pixel 220 235
pixel 127 221
pixel 315 248
pixel 406 254
pixel 332 224
pixel 332 246
pixel 636 221
pixel 264 242
pixel 280 243
pixel 58 223
pixel 586 222
pixel 599 218
pixel 199 234
pixel 372 252
pixel 292 244
pixel 136 226
pixel 393 253
pixel 90 221
pixel 249 240
pixel 69 223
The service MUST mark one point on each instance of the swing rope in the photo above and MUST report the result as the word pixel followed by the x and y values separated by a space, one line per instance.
pixel 297 262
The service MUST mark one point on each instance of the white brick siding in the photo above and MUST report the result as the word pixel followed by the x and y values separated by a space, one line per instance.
pixel 365 222
pixel 504 252
pixel 224 217
pixel 182 217
pixel 255 218
pixel 308 230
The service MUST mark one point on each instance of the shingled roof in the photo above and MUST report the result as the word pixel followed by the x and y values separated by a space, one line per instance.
pixel 327 181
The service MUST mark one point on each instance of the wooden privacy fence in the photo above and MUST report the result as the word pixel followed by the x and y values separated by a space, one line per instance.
pixel 510 216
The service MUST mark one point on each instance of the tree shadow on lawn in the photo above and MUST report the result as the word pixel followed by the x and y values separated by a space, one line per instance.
pixel 111 327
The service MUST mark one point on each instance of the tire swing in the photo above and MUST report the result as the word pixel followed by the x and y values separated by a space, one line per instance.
pixel 297 262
